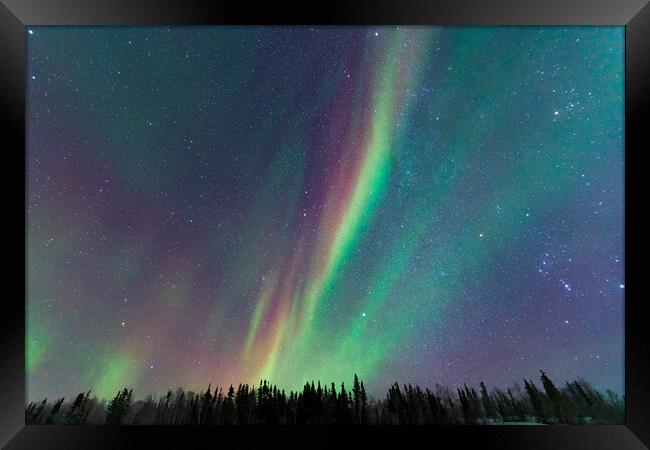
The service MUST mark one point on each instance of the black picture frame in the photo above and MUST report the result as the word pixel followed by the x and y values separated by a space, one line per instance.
pixel 16 15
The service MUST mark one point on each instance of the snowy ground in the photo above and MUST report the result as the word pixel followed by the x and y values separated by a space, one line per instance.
pixel 520 423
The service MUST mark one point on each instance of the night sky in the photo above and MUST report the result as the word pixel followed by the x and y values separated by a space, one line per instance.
pixel 413 204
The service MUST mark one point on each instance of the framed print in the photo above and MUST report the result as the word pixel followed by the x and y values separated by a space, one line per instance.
pixel 394 220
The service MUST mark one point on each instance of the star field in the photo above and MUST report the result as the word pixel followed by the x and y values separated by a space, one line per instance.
pixel 413 204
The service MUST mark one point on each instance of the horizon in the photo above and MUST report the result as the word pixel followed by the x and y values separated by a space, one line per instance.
pixel 216 387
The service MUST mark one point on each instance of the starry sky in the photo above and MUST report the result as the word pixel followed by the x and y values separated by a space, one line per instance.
pixel 413 204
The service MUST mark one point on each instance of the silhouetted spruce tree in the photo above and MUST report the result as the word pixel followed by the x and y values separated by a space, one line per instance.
pixel 518 409
pixel 275 406
pixel 205 414
pixel 241 399
pixel 588 399
pixel 333 405
pixel 194 409
pixel 469 416
pixel 320 406
pixel 536 400
pixel 557 399
pixel 51 417
pixel 342 413
pixel 488 406
pixel 177 408
pixel 78 412
pixel 435 407
pixel 305 405
pixel 364 405
pixel 228 406
pixel 614 408
pixel 162 409
pixel 393 404
pixel 583 393
pixel 549 387
pixel 356 391
pixel 502 404
pixel 291 409
pixel 409 405
pixel 33 412
pixel 475 402
pixel 118 407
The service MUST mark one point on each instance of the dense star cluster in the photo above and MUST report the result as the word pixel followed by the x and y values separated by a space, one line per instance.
pixel 413 204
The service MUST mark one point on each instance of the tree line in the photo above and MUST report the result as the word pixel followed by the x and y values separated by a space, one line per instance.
pixel 575 403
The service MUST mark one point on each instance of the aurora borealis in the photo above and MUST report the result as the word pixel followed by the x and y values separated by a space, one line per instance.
pixel 413 204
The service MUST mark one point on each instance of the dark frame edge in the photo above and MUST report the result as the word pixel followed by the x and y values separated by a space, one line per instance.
pixel 637 92
pixel 358 12
pixel 14 18
pixel 12 98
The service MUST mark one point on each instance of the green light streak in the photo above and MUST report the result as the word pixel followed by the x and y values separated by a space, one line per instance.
pixel 370 185
pixel 117 374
